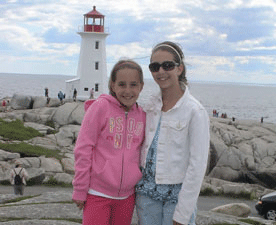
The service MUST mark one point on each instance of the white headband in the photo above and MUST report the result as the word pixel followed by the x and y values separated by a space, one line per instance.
pixel 169 47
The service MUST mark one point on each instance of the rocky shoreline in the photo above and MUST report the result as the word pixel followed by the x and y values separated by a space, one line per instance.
pixel 57 208
pixel 242 156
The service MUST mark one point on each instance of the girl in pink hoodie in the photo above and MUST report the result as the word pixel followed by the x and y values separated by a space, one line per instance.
pixel 107 151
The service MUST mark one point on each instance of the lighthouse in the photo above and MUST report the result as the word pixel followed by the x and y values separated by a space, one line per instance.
pixel 92 70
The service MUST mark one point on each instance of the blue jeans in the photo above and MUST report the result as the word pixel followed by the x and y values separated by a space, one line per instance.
pixel 153 212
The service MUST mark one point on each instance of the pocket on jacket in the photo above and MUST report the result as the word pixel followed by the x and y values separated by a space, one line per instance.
pixel 177 131
pixel 133 175
pixel 108 174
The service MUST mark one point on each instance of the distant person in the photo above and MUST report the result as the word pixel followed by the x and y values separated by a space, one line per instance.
pixel 262 119
pixel 214 112
pixel 92 93
pixel 60 96
pixel 48 101
pixel 46 92
pixel 75 94
pixel 4 105
pixel 107 151
pixel 18 178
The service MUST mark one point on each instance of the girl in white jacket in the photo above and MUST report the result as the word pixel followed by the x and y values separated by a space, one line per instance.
pixel 175 152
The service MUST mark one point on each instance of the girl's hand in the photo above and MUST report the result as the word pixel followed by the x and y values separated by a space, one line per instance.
pixel 79 203
pixel 176 223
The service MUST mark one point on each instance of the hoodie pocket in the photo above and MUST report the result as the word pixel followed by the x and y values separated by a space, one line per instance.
pixel 107 174
pixel 132 176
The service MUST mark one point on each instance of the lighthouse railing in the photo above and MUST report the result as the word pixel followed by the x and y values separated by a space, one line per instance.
pixel 93 28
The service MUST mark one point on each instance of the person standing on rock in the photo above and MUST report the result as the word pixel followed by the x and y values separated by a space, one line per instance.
pixel 92 93
pixel 46 92
pixel 18 178
pixel 60 96
pixel 4 105
pixel 75 94
pixel 107 151
pixel 175 152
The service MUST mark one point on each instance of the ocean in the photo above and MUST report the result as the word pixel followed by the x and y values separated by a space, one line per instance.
pixel 242 101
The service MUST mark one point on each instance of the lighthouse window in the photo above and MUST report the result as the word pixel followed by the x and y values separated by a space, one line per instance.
pixel 97 45
pixel 96 65
pixel 96 87
pixel 85 89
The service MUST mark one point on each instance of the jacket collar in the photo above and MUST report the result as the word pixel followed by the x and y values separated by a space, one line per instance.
pixel 156 100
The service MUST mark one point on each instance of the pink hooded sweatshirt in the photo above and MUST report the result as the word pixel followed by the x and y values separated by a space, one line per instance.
pixel 107 151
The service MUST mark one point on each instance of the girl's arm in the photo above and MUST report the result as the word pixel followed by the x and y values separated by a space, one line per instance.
pixel 199 141
pixel 87 139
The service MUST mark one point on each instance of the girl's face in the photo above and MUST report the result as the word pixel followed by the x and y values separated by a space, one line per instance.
pixel 127 86
pixel 166 79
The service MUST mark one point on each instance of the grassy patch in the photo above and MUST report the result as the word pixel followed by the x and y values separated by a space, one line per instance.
pixel 18 199
pixel 53 182
pixel 207 192
pixel 50 123
pixel 250 221
pixel 242 195
pixel 26 150
pixel 11 219
pixel 15 130
pixel 65 219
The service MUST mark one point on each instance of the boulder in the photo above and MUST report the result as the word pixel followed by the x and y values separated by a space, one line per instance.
pixel 64 178
pixel 36 175
pixel 39 102
pixel 234 189
pixel 243 151
pixel 21 102
pixel 69 113
pixel 67 135
pixel 51 165
pixel 68 165
pixel 6 156
pixel 30 162
pixel 40 127
pixel 5 171
pixel 234 209
pixel 48 142
pixel 54 102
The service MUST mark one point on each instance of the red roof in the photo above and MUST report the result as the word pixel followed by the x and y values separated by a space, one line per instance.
pixel 94 14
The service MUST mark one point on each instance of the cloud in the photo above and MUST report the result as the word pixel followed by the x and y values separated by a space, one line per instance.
pixel 223 38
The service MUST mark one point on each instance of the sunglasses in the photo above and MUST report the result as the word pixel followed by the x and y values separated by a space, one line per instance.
pixel 167 66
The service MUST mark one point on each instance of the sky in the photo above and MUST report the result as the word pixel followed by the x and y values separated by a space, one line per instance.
pixel 222 40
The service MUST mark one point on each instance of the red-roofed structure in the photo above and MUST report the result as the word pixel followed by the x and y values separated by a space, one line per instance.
pixel 93 21
pixel 92 69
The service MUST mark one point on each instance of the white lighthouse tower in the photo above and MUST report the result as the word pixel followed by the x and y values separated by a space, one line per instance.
pixel 92 70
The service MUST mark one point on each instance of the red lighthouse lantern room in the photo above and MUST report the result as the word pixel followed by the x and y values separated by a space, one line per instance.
pixel 93 21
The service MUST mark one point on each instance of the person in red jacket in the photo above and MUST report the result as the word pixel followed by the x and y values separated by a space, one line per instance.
pixel 4 104
pixel 107 151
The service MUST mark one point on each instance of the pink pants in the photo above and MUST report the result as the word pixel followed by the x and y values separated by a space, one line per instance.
pixel 105 211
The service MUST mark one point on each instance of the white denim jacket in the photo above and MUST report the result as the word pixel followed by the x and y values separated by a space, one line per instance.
pixel 183 148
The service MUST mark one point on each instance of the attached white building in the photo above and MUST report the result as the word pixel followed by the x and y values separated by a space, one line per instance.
pixel 92 69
